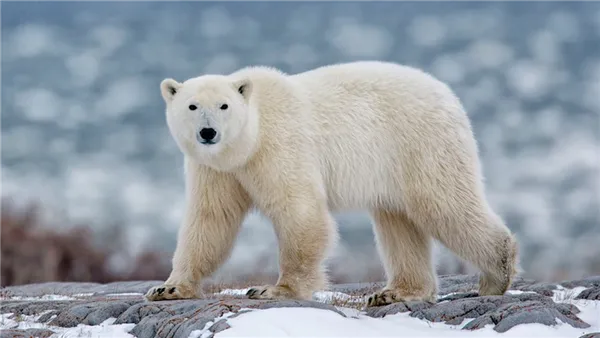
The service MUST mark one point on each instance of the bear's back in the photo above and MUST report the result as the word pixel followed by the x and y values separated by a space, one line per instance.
pixel 372 117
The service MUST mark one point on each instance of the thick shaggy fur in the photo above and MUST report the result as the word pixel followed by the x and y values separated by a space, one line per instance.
pixel 370 135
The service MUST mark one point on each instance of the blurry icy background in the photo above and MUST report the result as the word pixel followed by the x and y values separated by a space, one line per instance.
pixel 83 125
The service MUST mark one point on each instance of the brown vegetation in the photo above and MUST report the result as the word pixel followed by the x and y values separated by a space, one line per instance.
pixel 33 252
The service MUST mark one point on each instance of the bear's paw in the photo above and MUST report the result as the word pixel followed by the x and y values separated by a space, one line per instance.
pixel 390 296
pixel 272 292
pixel 170 292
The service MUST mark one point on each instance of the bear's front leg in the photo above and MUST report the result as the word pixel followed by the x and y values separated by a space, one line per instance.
pixel 305 231
pixel 215 208
pixel 304 238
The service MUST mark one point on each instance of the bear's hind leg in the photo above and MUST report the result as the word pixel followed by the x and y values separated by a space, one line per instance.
pixel 406 254
pixel 475 233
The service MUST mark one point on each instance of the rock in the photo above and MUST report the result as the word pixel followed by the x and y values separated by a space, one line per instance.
pixel 70 289
pixel 459 300
pixel 587 282
pixel 457 284
pixel 591 335
pixel 504 312
pixel 180 317
pixel 380 312
pixel 592 293
pixel 219 326
pixel 357 289
pixel 105 311
pixel 89 313
pixel 29 333
pixel 48 316
pixel 148 326
pixel 509 315
pixel 298 303
pixel 456 296
pixel 457 310
pixel 545 289
pixel 32 307
pixel 49 288
pixel 138 311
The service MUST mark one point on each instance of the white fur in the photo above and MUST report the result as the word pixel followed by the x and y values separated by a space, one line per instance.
pixel 370 135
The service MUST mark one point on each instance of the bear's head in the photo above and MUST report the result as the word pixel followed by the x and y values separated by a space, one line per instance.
pixel 211 119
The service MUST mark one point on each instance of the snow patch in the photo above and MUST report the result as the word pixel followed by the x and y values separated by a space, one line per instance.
pixel 233 292
pixel 124 294
pixel 106 329
pixel 49 297
pixel 330 296
pixel 205 332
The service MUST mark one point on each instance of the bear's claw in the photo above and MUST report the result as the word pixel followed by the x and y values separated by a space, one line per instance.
pixel 271 292
pixel 168 292
pixel 253 292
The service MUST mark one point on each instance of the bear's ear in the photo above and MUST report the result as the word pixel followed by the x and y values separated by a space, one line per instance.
pixel 168 89
pixel 244 87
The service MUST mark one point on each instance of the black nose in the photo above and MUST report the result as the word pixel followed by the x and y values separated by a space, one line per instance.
pixel 208 134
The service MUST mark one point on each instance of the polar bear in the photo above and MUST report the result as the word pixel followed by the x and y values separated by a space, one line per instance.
pixel 364 135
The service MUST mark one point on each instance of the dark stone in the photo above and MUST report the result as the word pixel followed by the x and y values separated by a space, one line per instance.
pixel 591 335
pixel 29 333
pixel 31 307
pixel 136 312
pixel 458 296
pixel 458 309
pixel 105 311
pixel 382 311
pixel 541 288
pixel 511 314
pixel 357 289
pixel 592 293
pixel 219 326
pixel 49 288
pixel 148 326
pixel 593 281
pixel 178 318
pixel 567 308
pixel 298 303
pixel 72 316
pixel 47 316
pixel 89 313
pixel 70 289
pixel 457 284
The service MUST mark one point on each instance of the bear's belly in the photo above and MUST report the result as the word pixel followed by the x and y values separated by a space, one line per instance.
pixel 355 180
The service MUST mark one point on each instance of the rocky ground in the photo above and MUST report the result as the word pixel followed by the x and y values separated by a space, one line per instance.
pixel 56 306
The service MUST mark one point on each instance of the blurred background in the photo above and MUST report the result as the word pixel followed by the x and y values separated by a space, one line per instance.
pixel 92 184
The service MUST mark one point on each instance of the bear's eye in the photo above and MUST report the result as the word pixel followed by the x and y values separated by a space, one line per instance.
pixel 224 106
pixel 192 107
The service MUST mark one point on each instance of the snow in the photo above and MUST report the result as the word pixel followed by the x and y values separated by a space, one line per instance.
pixel 47 297
pixel 292 322
pixel 329 296
pixel 278 322
pixel 233 292
pixel 312 322
pixel 124 294
pixel 88 294
pixel 205 330
pixel 106 329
